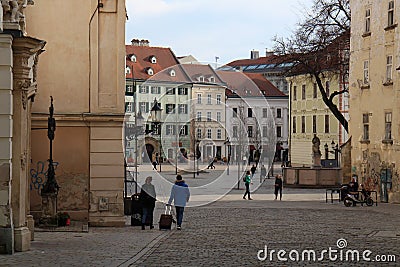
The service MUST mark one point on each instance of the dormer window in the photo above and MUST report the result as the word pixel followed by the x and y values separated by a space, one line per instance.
pixel 201 79
pixel 150 71
pixel 172 73
pixel 127 70
pixel 133 58
pixel 153 59
pixel 211 79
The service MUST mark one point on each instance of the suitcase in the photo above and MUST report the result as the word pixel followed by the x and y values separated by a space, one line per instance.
pixel 166 219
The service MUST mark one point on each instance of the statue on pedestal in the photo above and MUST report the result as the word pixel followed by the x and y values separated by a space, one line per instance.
pixel 316 151
pixel 12 12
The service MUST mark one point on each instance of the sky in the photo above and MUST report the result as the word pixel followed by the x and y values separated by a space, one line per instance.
pixel 206 29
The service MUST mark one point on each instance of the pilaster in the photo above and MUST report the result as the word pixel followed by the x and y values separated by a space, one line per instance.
pixel 6 122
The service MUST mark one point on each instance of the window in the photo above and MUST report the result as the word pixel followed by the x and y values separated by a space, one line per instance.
pixel 249 113
pixel 294 124
pixel 279 113
pixel 144 107
pixel 315 91
pixel 303 124
pixel 144 89
pixel 156 90
pixel 211 79
pixel 366 72
pixel 250 131
pixel 183 109
pixel 389 67
pixel 366 126
pixel 170 91
pixel 218 116
pixel 279 131
pixel 303 91
pixel 209 99
pixel 235 131
pixel 153 59
pixel 209 133
pixel 133 58
pixel 326 123
pixel 129 107
pixel 388 125
pixel 198 115
pixel 183 130
pixel 172 73
pixel 127 70
pixel 235 110
pixel 198 98
pixel 219 134
pixel 129 89
pixel 264 131
pixel 328 88
pixel 314 124
pixel 201 79
pixel 208 115
pixel 150 71
pixel 391 13
pixel 170 129
pixel 199 134
pixel 295 92
pixel 265 112
pixel 367 20
pixel 218 99
pixel 170 108
pixel 182 91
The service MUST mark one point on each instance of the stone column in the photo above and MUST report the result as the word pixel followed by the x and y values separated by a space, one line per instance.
pixel 25 49
pixel 6 122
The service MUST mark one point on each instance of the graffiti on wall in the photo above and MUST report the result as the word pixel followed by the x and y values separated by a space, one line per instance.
pixel 39 175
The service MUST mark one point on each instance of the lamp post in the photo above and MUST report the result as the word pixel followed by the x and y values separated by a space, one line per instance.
pixel 51 186
pixel 156 111
pixel 228 144
pixel 196 143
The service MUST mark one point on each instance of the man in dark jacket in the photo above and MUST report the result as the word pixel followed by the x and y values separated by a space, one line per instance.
pixel 278 186
pixel 148 200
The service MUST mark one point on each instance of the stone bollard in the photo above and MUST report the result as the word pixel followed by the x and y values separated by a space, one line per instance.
pixel 31 226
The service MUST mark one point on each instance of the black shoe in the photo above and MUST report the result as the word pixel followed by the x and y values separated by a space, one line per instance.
pixel 151 226
pixel 178 227
pixel 244 197
pixel 143 227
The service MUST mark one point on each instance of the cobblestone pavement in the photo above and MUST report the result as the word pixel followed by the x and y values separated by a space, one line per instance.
pixel 230 232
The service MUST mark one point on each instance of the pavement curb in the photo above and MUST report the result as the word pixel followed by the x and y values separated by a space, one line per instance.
pixel 145 251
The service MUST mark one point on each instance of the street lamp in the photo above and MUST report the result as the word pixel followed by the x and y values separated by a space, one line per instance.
pixel 228 143
pixel 196 155
pixel 156 111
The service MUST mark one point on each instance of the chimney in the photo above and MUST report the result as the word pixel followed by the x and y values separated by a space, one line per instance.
pixel 144 42
pixel 268 52
pixel 254 54
pixel 135 42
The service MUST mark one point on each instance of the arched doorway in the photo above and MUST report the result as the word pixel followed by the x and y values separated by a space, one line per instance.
pixel 149 153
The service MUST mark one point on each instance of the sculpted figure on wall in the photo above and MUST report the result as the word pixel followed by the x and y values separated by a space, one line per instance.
pixel 315 147
pixel 13 12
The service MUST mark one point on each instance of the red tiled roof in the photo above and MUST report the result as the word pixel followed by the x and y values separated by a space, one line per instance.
pixel 164 58
pixel 194 71
pixel 264 85
pixel 248 84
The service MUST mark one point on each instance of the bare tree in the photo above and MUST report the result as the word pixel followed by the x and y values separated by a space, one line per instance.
pixel 320 45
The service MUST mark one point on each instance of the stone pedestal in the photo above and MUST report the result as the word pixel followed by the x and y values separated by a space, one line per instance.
pixel 316 161
pixel 49 205
pixel 22 239
pixel 31 226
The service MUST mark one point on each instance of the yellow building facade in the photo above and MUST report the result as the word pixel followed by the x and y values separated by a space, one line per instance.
pixel 375 95
pixel 83 70
pixel 309 116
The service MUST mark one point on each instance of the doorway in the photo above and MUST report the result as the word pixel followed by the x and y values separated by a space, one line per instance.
pixel 149 153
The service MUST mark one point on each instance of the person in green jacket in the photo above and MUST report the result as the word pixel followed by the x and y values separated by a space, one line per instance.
pixel 247 182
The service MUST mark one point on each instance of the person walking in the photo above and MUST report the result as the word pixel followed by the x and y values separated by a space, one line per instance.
pixel 263 174
pixel 148 200
pixel 253 170
pixel 180 194
pixel 278 186
pixel 247 182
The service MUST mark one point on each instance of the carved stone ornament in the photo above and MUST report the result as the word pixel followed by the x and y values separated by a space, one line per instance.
pixel 13 15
